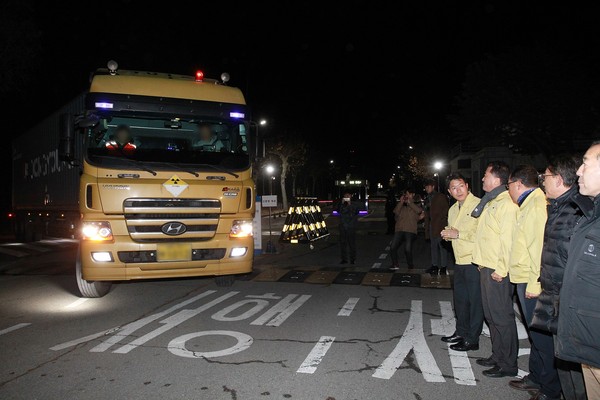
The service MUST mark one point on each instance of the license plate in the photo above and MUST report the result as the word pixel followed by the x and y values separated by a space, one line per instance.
pixel 174 252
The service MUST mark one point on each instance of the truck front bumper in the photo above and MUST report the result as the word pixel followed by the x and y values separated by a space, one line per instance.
pixel 124 259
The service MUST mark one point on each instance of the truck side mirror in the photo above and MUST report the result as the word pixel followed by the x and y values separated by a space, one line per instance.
pixel 66 144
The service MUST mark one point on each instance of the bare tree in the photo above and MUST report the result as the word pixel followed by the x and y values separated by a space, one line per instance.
pixel 291 153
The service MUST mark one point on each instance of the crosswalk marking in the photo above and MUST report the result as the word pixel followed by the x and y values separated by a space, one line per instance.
pixel 315 357
pixel 348 307
pixel 14 328
pixel 12 252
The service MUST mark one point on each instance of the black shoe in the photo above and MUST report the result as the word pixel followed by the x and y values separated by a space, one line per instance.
pixel 524 384
pixel 343 262
pixel 432 271
pixel 454 338
pixel 443 271
pixel 486 362
pixel 465 346
pixel 497 372
pixel 352 262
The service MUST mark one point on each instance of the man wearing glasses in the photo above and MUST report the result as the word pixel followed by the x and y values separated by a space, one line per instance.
pixel 524 269
pixel 579 310
pixel 491 252
pixel 548 375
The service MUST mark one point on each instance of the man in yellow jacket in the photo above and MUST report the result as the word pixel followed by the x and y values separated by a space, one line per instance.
pixel 467 290
pixel 526 257
pixel 491 253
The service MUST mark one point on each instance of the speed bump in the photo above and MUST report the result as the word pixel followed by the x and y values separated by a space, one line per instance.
pixel 377 278
pixel 436 281
pixel 349 278
pixel 406 279
pixel 270 275
pixel 326 277
pixel 295 276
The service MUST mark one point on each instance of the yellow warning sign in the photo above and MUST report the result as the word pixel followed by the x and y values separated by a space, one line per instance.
pixel 175 185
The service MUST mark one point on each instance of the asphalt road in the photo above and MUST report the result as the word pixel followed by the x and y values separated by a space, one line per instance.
pixel 293 329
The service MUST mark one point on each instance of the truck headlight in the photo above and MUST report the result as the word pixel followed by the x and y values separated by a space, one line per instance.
pixel 96 230
pixel 241 228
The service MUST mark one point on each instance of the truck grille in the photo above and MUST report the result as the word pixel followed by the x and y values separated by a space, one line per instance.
pixel 149 220
pixel 149 256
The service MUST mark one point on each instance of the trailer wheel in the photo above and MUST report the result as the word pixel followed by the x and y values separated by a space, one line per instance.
pixel 224 280
pixel 89 288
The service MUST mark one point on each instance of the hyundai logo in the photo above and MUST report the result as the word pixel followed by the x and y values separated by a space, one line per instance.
pixel 173 228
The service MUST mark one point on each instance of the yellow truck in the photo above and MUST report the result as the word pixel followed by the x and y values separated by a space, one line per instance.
pixel 166 186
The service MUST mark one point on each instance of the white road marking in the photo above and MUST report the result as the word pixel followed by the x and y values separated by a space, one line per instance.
pixel 461 367
pixel 281 311
pixel 259 304
pixel 14 328
pixel 383 256
pixel 446 325
pixel 13 252
pixel 177 345
pixel 521 330
pixel 29 246
pixel 77 303
pixel 412 339
pixel 171 322
pixel 376 265
pixel 84 339
pixel 316 355
pixel 348 307
pixel 134 326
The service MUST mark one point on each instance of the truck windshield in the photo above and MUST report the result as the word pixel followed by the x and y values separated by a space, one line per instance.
pixel 194 144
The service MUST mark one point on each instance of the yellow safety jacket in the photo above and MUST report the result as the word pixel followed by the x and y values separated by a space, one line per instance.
pixel 528 241
pixel 460 219
pixel 495 230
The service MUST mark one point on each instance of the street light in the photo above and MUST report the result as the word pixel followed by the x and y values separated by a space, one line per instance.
pixel 270 169
pixel 438 165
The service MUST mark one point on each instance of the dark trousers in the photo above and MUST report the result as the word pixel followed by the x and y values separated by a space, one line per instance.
pixel 497 298
pixel 347 243
pixel 391 223
pixel 406 238
pixel 439 254
pixel 542 368
pixel 468 306
pixel 571 380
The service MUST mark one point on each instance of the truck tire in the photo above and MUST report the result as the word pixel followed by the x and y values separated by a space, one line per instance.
pixel 90 289
pixel 224 280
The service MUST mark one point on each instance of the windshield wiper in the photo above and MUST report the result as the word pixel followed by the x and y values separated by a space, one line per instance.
pixel 181 168
pixel 137 163
pixel 221 169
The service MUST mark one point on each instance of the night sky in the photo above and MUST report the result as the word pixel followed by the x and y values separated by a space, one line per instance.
pixel 351 78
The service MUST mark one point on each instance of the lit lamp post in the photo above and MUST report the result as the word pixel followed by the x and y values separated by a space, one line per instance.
pixel 262 122
pixel 270 170
pixel 438 165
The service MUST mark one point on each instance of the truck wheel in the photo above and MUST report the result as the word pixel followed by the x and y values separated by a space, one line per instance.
pixel 89 288
pixel 224 280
